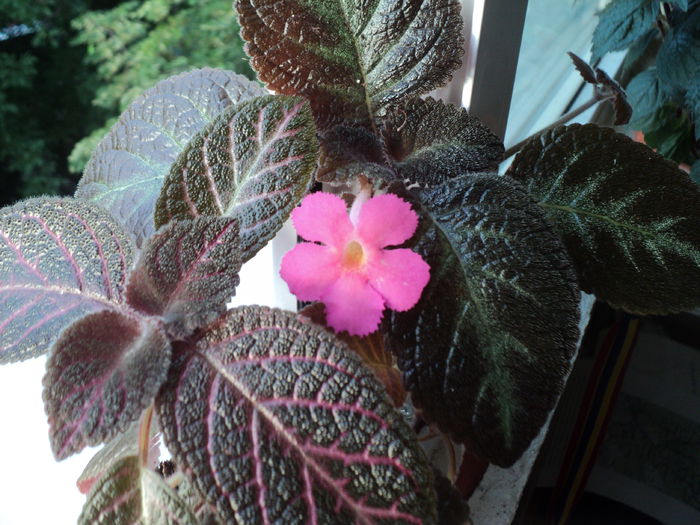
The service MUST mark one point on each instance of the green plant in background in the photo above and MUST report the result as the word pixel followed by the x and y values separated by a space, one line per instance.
pixel 663 42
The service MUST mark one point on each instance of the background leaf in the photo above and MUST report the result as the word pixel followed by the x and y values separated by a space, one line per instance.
pixel 103 371
pixel 629 218
pixel 255 163
pixel 432 142
pixel 187 273
pixel 692 98
pixel 126 171
pixel 485 350
pixel 59 260
pixel 351 58
pixel 129 493
pixel 678 60
pixel 646 95
pixel 274 421
pixel 621 23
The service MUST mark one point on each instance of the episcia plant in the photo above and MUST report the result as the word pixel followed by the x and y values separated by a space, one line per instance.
pixel 444 287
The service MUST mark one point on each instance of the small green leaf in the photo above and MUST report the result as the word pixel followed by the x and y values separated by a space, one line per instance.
pixel 103 371
pixel 187 272
pixel 678 60
pixel 254 163
pixel 130 494
pixel 646 95
pixel 352 58
pixel 126 170
pixel 485 351
pixel 629 218
pixel 276 421
pixel 59 260
pixel 431 141
pixel 621 23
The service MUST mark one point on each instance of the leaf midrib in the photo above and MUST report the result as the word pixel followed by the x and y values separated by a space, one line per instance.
pixel 579 211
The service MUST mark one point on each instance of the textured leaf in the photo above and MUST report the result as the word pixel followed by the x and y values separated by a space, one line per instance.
pixel 692 99
pixel 629 218
pixel 485 350
pixel 351 58
pixel 678 60
pixel 104 370
pixel 346 152
pixel 646 96
pixel 432 142
pixel 255 162
pixel 621 23
pixel 586 71
pixel 371 350
pixel 59 260
pixel 126 170
pixel 129 494
pixel 622 108
pixel 187 273
pixel 274 421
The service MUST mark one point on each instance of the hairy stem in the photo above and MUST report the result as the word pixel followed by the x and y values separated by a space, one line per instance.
pixel 145 435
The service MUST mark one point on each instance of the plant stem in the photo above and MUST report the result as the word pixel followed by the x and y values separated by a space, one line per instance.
pixel 145 435
pixel 562 120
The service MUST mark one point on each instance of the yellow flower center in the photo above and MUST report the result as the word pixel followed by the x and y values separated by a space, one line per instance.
pixel 354 255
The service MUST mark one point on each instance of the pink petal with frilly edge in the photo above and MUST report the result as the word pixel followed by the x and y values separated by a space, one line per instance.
pixel 399 276
pixel 309 270
pixel 352 305
pixel 323 217
pixel 386 220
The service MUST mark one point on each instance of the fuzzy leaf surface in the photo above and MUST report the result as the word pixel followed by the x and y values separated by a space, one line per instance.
pixel 255 162
pixel 629 218
pixel 130 494
pixel 126 170
pixel 431 142
pixel 352 58
pixel 621 23
pixel 187 272
pixel 103 371
pixel 275 421
pixel 60 259
pixel 485 350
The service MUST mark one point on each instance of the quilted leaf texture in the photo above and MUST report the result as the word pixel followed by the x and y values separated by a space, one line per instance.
pixel 351 58
pixel 485 351
pixel 254 163
pixel 629 218
pixel 103 371
pixel 126 170
pixel 187 273
pixel 130 494
pixel 59 260
pixel 275 421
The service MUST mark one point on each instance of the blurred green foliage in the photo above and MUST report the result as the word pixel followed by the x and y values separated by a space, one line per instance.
pixel 69 67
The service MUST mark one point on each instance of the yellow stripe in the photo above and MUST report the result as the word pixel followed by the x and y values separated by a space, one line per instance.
pixel 605 407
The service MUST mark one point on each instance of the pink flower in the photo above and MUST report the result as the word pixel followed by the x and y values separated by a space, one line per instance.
pixel 351 271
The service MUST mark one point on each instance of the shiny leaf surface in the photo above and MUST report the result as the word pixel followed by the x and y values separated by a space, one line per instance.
pixel 274 421
pixel 126 171
pixel 59 260
pixel 485 350
pixel 629 218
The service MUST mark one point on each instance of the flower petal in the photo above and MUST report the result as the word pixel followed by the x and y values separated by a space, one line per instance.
pixel 322 217
pixel 352 305
pixel 399 276
pixel 386 220
pixel 309 269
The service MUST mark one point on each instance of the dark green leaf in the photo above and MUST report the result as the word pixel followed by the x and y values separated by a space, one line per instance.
pixel 646 96
pixel 621 23
pixel 629 218
pixel 255 162
pixel 692 98
pixel 103 371
pixel 452 508
pixel 187 273
pixel 351 58
pixel 642 49
pixel 126 171
pixel 130 494
pixel 485 351
pixel 670 134
pixel 695 172
pixel 678 61
pixel 432 142
pixel 59 260
pixel 682 4
pixel 275 421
